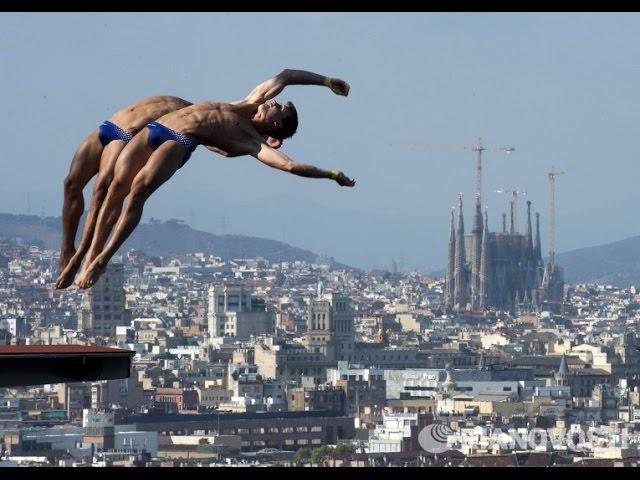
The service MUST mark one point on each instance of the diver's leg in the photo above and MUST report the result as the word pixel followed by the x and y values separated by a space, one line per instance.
pixel 162 164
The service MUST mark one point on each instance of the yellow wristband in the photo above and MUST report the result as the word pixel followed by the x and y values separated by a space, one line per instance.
pixel 327 81
pixel 334 174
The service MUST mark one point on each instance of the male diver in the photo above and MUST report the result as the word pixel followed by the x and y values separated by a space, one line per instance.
pixel 97 155
pixel 165 145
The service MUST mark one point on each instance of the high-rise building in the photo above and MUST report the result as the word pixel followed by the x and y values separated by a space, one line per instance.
pixel 234 311
pixel 103 306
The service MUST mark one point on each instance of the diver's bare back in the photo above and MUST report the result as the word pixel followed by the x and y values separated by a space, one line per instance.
pixel 134 117
pixel 225 126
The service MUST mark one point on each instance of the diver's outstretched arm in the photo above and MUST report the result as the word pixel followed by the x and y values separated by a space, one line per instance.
pixel 272 87
pixel 275 159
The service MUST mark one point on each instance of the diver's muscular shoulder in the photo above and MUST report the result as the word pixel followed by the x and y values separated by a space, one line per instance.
pixel 244 108
pixel 134 117
pixel 149 102
pixel 158 99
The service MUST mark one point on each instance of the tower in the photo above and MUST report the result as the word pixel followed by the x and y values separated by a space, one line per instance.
pixel 562 375
pixel 476 252
pixel 460 277
pixel 539 266
pixel 330 327
pixel 538 246
pixel 529 263
pixel 529 231
pixel 512 228
pixel 485 265
pixel 451 265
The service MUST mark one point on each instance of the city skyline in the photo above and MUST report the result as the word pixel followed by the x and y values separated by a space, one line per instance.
pixel 300 364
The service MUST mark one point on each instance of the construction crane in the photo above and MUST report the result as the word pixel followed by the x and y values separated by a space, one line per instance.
pixel 514 203
pixel 552 214
pixel 479 148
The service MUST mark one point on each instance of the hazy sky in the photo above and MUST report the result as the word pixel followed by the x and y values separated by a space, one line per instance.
pixel 560 88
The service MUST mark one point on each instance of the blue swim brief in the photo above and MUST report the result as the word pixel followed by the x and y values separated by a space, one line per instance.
pixel 158 134
pixel 109 131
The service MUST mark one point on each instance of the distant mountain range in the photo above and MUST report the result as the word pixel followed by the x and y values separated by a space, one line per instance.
pixel 616 263
pixel 163 238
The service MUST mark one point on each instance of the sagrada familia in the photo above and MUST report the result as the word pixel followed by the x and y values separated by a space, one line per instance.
pixel 499 270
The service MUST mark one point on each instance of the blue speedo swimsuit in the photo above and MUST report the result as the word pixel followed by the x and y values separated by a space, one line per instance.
pixel 158 134
pixel 109 131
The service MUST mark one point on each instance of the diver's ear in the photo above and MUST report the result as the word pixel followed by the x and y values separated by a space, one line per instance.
pixel 273 142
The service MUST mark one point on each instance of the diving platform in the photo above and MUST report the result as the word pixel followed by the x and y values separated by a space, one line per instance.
pixel 23 365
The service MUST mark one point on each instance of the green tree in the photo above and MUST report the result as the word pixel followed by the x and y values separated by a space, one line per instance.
pixel 319 453
pixel 345 448
pixel 303 455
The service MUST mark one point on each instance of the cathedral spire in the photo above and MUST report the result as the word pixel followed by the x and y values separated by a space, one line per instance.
pixel 476 253
pixel 451 263
pixel 513 217
pixel 477 219
pixel 485 262
pixel 563 373
pixel 529 231
pixel 460 284
pixel 538 247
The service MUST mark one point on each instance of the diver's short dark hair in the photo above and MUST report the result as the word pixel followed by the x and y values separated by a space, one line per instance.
pixel 289 124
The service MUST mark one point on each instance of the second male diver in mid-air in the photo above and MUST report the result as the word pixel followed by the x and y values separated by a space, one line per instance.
pixel 253 126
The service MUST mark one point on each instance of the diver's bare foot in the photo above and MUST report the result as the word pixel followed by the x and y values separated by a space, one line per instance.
pixel 65 258
pixel 66 277
pixel 91 274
